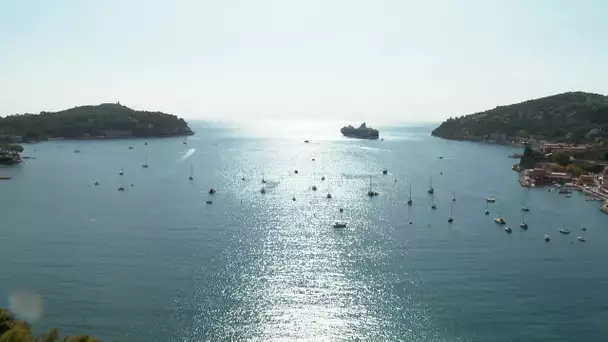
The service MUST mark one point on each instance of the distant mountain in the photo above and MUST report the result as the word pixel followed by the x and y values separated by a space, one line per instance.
pixel 575 117
pixel 108 120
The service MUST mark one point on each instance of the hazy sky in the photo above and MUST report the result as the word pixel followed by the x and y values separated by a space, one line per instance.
pixel 361 59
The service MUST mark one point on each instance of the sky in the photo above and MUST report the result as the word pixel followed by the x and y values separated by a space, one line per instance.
pixel 373 60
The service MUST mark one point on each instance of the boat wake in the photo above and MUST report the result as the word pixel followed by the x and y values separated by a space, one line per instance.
pixel 187 155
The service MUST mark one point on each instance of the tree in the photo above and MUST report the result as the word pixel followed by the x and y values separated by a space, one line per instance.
pixel 561 158
pixel 558 168
pixel 574 170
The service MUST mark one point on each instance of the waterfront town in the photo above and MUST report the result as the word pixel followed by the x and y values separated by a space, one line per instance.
pixel 567 167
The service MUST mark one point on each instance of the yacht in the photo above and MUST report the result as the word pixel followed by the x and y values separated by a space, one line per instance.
pixel 508 230
pixel 564 231
pixel 581 239
pixel 340 225
pixel 547 237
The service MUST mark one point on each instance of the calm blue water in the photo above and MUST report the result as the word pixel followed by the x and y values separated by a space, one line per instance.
pixel 156 263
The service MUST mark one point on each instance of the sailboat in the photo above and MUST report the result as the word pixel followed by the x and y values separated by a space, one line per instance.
pixel 451 218
pixel 191 177
pixel 409 201
pixel 370 192
pixel 263 179
pixel 453 196
pixel 121 172
pixel 145 165
pixel 77 150
pixel 487 212
pixel 523 224
pixel 328 191
pixel 431 190
pixel 499 218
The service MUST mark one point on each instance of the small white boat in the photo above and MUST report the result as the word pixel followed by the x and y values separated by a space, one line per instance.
pixel 564 231
pixel 340 225
pixel 491 199
pixel 581 239
pixel 500 220
pixel 547 237
pixel 508 230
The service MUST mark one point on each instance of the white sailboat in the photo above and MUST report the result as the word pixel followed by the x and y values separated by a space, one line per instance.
pixel 499 219
pixel 145 165
pixel 370 192
pixel 431 190
pixel 121 172
pixel 191 177
pixel 523 224
pixel 451 218
pixel 409 201
pixel 487 212
pixel 453 196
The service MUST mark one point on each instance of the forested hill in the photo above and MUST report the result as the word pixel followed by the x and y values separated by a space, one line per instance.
pixel 109 120
pixel 574 117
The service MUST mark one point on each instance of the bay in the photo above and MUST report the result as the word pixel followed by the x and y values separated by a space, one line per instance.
pixel 157 263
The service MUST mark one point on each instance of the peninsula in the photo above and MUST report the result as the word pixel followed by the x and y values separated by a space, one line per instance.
pixel 572 118
pixel 108 120
pixel 362 132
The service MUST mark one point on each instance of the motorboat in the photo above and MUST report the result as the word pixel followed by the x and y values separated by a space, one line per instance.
pixel 293 199
pixel 263 190
pixel 96 183
pixel 130 147
pixel 212 191
pixel 323 178
pixel 209 202
pixel 583 228
pixel 525 208
pixel 491 199
pixel 547 237
pixel 121 188
pixel 385 171
pixel 581 239
pixel 328 195
pixel 295 171
pixel 487 212
pixel 306 141
pixel 409 201
pixel 508 229
pixel 523 225
pixel 434 207
pixel 314 188
pixel 341 210
pixel 500 220
pixel 564 231
pixel 340 225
